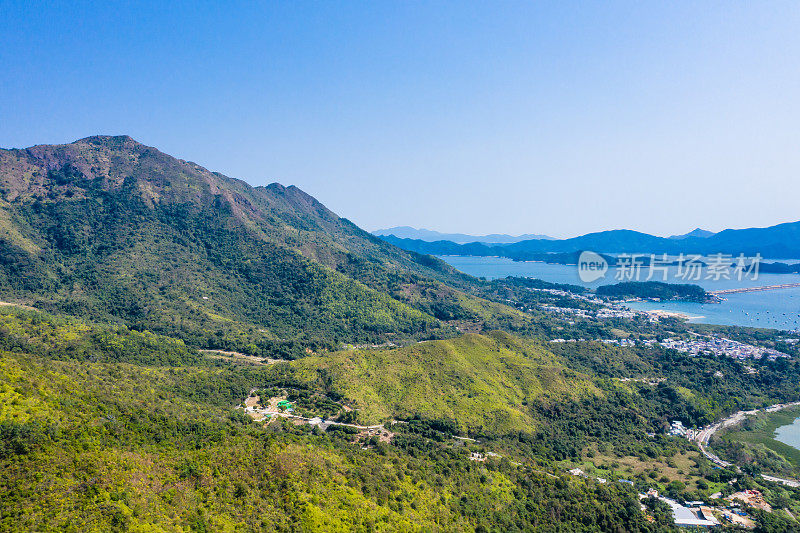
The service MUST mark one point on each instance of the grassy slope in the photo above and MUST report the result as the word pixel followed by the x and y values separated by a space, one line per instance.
pixel 481 381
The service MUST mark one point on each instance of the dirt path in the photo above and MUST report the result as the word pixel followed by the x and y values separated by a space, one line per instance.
pixel 21 306
pixel 241 357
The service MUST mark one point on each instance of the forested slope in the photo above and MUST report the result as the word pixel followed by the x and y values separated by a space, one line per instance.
pixel 108 228
pixel 118 445
pixel 104 428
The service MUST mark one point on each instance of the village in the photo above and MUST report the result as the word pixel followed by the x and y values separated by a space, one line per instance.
pixel 718 510
pixel 711 344
pixel 722 346
pixel 607 310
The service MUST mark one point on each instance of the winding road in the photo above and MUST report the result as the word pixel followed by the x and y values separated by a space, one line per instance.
pixel 704 436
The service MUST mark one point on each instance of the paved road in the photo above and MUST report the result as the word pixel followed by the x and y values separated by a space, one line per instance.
pixel 787 482
pixel 705 434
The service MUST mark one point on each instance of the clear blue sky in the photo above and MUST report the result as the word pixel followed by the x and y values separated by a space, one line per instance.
pixel 516 117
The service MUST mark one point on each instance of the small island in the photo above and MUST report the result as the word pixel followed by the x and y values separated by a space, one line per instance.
pixel 655 290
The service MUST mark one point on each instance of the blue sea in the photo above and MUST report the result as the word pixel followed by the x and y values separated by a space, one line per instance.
pixel 779 309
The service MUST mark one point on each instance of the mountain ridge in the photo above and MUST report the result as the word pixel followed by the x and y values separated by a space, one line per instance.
pixel 114 229
pixel 778 241
pixel 408 232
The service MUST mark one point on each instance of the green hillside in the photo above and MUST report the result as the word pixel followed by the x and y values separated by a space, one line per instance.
pixel 111 229
pixel 118 445
pixel 483 382
pixel 105 428
pixel 128 262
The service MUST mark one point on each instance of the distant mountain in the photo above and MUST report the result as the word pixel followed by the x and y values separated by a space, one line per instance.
pixel 697 232
pixel 111 229
pixel 780 241
pixel 407 232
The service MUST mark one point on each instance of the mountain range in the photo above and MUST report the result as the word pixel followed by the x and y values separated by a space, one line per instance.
pixel 779 241
pixel 407 232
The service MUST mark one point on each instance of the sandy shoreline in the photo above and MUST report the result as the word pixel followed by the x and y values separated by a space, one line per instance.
pixel 672 314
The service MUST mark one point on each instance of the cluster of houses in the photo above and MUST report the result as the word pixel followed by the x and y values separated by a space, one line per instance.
pixel 616 311
pixel 481 457
pixel 627 342
pixel 616 342
pixel 583 313
pixel 607 311
pixel 722 346
pixel 575 296
pixel 602 309
pixel 719 346
pixel 677 429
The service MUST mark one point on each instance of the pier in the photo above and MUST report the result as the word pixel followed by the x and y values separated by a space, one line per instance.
pixel 755 289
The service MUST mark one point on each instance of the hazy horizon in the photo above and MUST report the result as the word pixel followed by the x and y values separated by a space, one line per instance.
pixel 675 233
pixel 518 118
